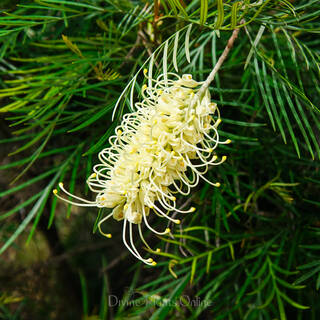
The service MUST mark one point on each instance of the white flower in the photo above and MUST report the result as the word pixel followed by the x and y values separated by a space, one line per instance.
pixel 172 133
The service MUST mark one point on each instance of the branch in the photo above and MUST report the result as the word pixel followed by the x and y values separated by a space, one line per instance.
pixel 218 65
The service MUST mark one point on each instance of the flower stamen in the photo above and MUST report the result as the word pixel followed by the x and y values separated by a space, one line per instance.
pixel 151 155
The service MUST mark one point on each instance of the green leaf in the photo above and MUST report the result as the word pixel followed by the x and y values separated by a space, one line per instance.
pixel 293 303
pixel 263 92
pixel 234 11
pixel 220 15
pixel 203 11
pixel 268 300
pixel 307 275
pixel 84 292
pixel 20 206
pixel 163 311
pixel 38 205
pixel 28 183
pixel 281 307
pixel 193 270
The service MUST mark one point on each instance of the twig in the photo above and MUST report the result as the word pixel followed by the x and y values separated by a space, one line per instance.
pixel 131 51
pixel 113 263
pixel 147 46
pixel 218 65
pixel 155 20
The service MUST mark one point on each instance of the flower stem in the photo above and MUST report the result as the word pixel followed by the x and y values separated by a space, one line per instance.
pixel 216 68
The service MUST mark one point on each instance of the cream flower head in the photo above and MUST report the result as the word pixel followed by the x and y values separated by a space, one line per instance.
pixel 171 134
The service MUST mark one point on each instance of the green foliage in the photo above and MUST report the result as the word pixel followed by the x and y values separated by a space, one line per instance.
pixel 250 251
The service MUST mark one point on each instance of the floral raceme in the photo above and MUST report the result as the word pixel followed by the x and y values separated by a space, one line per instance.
pixel 160 150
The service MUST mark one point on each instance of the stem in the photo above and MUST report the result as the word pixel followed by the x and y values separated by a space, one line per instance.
pixel 216 68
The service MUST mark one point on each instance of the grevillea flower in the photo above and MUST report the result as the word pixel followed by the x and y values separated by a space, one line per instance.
pixel 160 150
